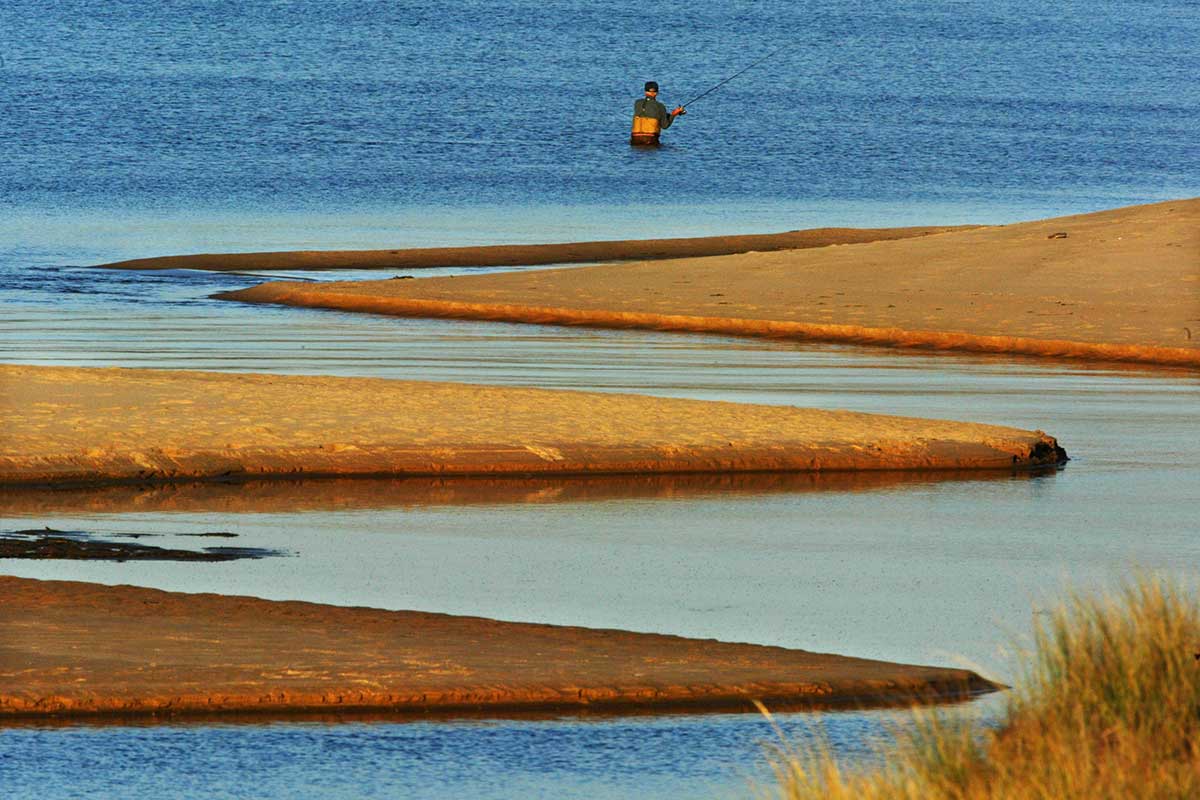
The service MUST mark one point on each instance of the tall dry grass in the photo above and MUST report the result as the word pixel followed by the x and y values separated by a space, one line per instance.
pixel 1107 705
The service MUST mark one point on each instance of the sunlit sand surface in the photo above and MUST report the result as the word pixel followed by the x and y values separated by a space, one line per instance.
pixel 80 425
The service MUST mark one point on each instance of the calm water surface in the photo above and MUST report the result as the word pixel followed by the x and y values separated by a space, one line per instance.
pixel 713 756
pixel 211 126
pixel 130 130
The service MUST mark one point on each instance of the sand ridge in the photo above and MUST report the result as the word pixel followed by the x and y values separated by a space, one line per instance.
pixel 70 648
pixel 88 425
pixel 1120 285
pixel 525 254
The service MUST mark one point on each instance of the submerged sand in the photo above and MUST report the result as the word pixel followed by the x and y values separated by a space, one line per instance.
pixel 1120 285
pixel 69 648
pixel 63 425
pixel 511 255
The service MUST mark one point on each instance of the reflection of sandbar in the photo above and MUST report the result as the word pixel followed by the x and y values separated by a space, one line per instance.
pixel 281 495
pixel 76 425
pixel 1120 285
pixel 80 648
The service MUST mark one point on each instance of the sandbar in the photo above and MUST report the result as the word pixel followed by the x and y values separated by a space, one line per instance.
pixel 76 425
pixel 512 255
pixel 1117 285
pixel 72 649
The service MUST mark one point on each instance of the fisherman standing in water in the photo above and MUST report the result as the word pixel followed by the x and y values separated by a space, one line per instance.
pixel 650 118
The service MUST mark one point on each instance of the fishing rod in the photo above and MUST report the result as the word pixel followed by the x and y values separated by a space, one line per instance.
pixel 731 77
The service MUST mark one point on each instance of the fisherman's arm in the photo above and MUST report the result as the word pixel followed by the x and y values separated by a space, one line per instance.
pixel 666 118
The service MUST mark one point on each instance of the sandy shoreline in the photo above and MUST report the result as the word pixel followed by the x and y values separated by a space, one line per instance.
pixel 526 254
pixel 69 648
pixel 1119 285
pixel 66 425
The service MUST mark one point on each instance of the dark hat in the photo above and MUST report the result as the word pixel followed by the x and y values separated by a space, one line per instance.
pixel 651 86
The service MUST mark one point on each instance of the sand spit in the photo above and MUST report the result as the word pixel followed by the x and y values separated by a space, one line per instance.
pixel 1120 285
pixel 79 425
pixel 526 254
pixel 69 648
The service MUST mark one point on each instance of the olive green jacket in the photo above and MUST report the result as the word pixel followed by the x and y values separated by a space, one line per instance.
pixel 649 107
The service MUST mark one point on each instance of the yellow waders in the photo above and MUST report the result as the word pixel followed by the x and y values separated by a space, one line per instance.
pixel 645 131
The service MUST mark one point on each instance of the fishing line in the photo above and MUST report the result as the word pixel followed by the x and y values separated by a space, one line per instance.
pixel 731 77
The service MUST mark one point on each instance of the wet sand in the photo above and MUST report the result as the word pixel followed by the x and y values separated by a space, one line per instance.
pixel 70 648
pixel 1118 285
pixel 47 544
pixel 67 425
pixel 525 254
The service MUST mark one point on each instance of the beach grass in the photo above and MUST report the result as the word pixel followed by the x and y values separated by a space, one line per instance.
pixel 1106 705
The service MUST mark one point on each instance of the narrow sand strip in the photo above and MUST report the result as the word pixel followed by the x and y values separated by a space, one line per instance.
pixel 1121 285
pixel 78 425
pixel 512 255
pixel 69 648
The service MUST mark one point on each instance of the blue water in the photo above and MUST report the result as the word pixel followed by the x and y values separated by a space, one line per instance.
pixel 195 112
pixel 666 757
pixel 129 129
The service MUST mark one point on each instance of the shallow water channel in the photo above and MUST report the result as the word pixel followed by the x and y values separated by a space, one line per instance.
pixel 918 568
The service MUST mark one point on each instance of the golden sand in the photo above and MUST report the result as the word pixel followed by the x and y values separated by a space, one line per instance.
pixel 86 425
